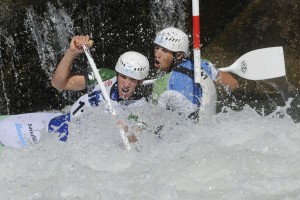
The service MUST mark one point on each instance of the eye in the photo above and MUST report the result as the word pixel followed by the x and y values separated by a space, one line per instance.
pixel 166 50
pixel 122 76
pixel 133 81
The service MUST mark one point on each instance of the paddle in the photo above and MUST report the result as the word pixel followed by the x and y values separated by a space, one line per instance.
pixel 99 79
pixel 209 96
pixel 198 72
pixel 104 93
pixel 259 64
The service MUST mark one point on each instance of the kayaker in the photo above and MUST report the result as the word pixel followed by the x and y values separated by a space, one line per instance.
pixel 121 84
pixel 175 87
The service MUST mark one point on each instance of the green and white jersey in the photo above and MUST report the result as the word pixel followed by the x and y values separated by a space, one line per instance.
pixel 108 76
pixel 94 94
pixel 177 90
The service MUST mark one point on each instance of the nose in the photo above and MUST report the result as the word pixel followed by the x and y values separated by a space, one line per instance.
pixel 126 83
pixel 157 52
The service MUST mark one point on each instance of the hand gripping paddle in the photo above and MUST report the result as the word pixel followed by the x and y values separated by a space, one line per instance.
pixel 104 93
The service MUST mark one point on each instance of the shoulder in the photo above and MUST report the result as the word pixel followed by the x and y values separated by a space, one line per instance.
pixel 190 62
pixel 106 73
pixel 210 69
pixel 187 64
pixel 107 76
pixel 161 84
pixel 206 62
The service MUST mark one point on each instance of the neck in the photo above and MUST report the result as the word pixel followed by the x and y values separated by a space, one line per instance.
pixel 175 62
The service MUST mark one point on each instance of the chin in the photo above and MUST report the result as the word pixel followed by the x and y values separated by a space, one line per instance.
pixel 162 68
pixel 157 66
pixel 125 96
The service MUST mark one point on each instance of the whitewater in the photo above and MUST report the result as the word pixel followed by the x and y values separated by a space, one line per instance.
pixel 231 155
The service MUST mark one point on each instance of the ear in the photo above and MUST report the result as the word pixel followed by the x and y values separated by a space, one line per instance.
pixel 180 56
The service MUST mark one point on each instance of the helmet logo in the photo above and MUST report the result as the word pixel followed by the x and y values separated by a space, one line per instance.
pixel 243 66
pixel 173 39
pixel 161 41
pixel 133 65
pixel 128 72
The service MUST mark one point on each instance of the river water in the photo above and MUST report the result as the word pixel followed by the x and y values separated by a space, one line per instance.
pixel 232 155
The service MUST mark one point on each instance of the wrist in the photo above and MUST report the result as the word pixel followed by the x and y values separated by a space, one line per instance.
pixel 71 53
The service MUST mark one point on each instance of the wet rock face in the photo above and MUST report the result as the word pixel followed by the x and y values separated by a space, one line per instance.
pixel 35 34
pixel 261 24
pixel 228 30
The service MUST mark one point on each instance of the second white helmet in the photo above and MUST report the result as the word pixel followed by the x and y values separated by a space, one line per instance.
pixel 133 64
pixel 173 39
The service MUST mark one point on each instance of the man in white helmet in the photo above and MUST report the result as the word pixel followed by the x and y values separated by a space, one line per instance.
pixel 121 85
pixel 175 88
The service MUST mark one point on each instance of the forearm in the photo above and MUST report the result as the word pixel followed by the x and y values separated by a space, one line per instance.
pixel 63 71
pixel 228 80
pixel 62 78
pixel 224 78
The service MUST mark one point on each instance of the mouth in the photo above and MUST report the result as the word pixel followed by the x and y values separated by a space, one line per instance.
pixel 156 63
pixel 125 90
pixel 124 93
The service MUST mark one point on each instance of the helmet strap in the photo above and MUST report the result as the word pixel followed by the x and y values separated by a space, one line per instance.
pixel 176 61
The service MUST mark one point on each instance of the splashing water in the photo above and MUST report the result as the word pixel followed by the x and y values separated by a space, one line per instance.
pixel 51 34
pixel 168 13
pixel 237 155
pixel 9 41
pixel 233 155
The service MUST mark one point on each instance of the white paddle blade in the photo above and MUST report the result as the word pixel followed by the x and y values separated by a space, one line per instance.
pixel 148 82
pixel 259 64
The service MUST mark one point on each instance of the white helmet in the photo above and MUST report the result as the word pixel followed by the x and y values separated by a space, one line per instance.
pixel 173 39
pixel 133 64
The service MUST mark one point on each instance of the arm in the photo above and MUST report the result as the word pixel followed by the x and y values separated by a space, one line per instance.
pixel 227 79
pixel 63 79
pixel 224 78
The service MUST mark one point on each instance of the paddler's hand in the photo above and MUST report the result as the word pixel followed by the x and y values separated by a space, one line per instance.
pixel 132 138
pixel 76 45
pixel 227 79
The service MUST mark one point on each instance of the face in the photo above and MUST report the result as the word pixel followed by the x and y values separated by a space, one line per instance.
pixel 126 86
pixel 163 58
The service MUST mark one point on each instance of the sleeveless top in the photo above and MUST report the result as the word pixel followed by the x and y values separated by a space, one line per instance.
pixel 177 90
pixel 93 98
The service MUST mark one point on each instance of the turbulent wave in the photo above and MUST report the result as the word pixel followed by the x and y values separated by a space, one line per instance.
pixel 233 155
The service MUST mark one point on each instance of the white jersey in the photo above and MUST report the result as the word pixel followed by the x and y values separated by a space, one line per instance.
pixel 24 129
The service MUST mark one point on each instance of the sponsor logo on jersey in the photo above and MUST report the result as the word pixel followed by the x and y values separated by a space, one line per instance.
pixel 94 98
pixel 20 134
pixel 79 108
pixel 33 137
pixel 108 83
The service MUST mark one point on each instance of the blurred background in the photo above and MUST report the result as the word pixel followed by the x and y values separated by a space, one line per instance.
pixel 35 34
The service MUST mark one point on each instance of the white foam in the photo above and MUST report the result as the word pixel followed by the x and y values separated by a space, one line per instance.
pixel 234 155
